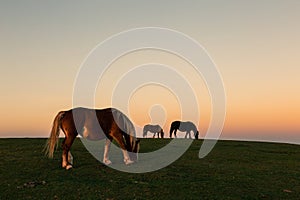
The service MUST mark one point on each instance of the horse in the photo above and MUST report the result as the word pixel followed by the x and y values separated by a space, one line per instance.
pixel 93 124
pixel 184 127
pixel 153 129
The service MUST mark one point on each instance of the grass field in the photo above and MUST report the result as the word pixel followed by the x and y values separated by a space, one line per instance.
pixel 233 170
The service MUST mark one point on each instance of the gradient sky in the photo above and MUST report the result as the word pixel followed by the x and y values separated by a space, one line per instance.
pixel 255 45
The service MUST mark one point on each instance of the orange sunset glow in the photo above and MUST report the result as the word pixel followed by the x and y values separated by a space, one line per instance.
pixel 255 47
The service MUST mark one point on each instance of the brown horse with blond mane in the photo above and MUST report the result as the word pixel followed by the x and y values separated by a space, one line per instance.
pixel 109 123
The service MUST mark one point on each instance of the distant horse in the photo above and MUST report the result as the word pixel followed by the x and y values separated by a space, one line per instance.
pixel 184 127
pixel 153 129
pixel 91 124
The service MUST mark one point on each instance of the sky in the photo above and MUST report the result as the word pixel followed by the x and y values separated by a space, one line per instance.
pixel 254 44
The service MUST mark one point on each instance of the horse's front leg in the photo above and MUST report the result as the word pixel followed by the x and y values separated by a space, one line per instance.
pixel 119 138
pixel 175 133
pixel 106 151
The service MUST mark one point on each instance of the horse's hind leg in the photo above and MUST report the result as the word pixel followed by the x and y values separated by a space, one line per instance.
pixel 188 133
pixel 106 151
pixel 66 155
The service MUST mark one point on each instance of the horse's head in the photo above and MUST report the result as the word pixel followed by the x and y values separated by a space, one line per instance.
pixel 135 150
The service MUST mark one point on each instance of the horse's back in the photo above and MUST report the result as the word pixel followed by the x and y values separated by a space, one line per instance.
pixel 148 127
pixel 95 124
pixel 183 125
pixel 191 125
pixel 152 128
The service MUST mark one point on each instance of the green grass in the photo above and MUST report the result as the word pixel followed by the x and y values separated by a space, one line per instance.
pixel 233 170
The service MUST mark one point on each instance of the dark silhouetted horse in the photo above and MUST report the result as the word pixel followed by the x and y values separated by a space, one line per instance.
pixel 153 129
pixel 184 127
pixel 110 124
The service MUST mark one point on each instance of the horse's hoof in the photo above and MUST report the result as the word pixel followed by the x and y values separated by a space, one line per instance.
pixel 64 165
pixel 128 162
pixel 69 167
pixel 107 162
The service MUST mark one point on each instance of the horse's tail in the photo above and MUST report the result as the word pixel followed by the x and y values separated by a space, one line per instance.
pixel 53 139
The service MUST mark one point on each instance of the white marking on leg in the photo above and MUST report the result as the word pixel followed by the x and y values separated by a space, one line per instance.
pixel 68 167
pixel 127 160
pixel 106 151
pixel 64 161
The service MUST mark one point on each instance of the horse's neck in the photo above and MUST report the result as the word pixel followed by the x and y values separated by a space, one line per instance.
pixel 127 127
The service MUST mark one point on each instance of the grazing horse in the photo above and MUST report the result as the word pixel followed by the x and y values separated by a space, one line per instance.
pixel 153 129
pixel 184 127
pixel 109 123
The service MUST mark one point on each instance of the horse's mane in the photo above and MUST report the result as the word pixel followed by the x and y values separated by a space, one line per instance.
pixel 126 126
